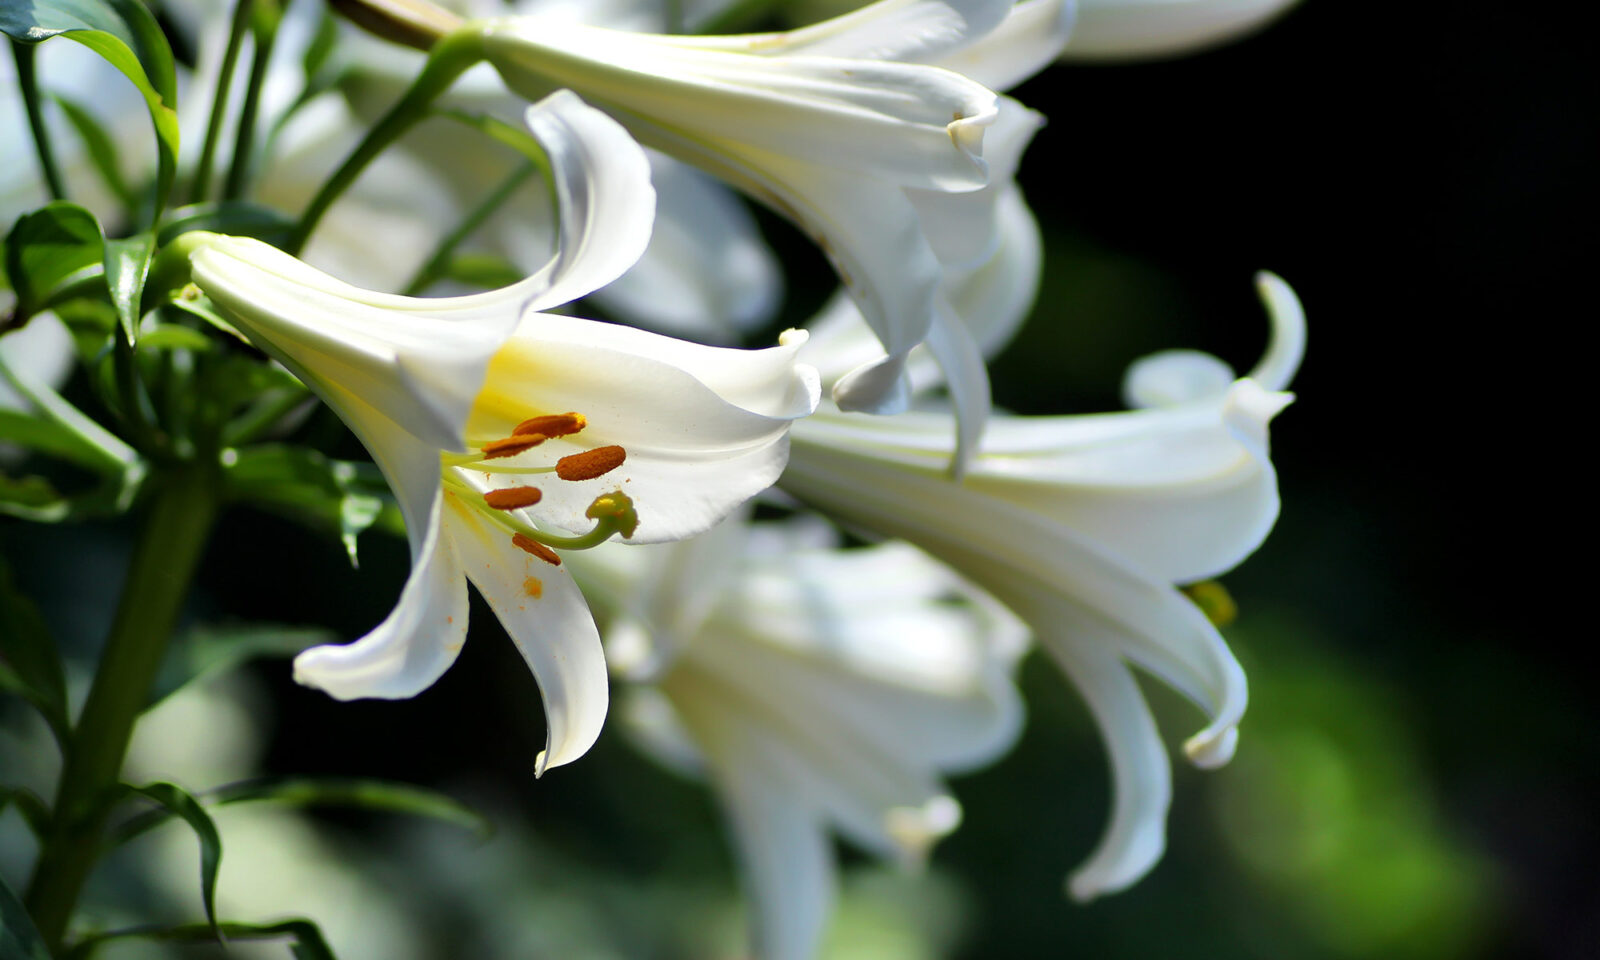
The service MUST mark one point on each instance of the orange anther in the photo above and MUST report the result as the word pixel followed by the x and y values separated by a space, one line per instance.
pixel 551 425
pixel 536 548
pixel 590 463
pixel 509 446
pixel 512 498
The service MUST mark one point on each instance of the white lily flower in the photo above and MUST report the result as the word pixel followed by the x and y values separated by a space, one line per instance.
pixel 821 124
pixel 817 689
pixel 661 434
pixel 1082 526
pixel 987 240
pixel 1121 29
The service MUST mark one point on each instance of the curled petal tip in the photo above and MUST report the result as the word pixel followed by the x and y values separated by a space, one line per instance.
pixel 916 829
pixel 539 764
pixel 793 337
pixel 1209 751
pixel 1287 345
pixel 879 387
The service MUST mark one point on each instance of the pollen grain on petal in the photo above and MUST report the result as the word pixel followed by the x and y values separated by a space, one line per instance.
pixel 551 425
pixel 509 446
pixel 591 463
pixel 527 543
pixel 513 498
pixel 533 587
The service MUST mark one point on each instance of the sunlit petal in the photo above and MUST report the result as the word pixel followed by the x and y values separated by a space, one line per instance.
pixel 546 616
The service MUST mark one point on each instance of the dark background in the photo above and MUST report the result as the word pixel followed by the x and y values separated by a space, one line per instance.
pixel 1416 773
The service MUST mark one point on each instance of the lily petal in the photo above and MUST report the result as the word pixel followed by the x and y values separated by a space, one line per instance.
pixel 785 853
pixel 992 301
pixel 1032 35
pixel 909 30
pixel 1135 837
pixel 1287 347
pixel 1115 29
pixel 414 645
pixel 704 428
pixel 602 185
pixel 546 616
pixel 893 121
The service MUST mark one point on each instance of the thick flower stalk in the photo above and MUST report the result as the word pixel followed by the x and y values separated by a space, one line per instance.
pixel 1084 526
pixel 496 423
pixel 817 689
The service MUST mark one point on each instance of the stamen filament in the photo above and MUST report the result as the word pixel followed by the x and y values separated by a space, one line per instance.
pixel 605 524
pixel 482 467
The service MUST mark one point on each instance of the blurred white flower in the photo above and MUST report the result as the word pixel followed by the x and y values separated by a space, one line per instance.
pixel 817 689
pixel 1082 526
pixel 1126 29
pixel 689 432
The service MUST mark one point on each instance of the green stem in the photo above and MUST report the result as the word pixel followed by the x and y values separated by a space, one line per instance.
pixel 244 137
pixel 27 80
pixel 261 417
pixel 439 263
pixel 450 58
pixel 164 560
pixel 219 106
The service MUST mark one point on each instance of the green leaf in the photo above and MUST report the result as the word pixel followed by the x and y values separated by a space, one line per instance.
pixel 201 308
pixel 35 813
pixel 173 336
pixel 32 498
pixel 178 802
pixel 127 265
pixel 329 494
pixel 308 942
pixel 49 249
pixel 234 217
pixel 102 150
pixel 30 656
pixel 385 796
pixel 19 940
pixel 36 433
pixel 205 650
pixel 126 35
pixel 76 436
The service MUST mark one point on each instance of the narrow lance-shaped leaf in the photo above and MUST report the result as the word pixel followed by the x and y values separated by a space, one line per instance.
pixel 309 487
pixel 127 263
pixel 178 801
pixel 126 35
pixel 28 656
pixel 19 940
pixel 356 793
pixel 35 812
pixel 308 943
pixel 102 150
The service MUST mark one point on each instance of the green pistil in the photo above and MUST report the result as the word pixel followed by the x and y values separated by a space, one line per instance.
pixel 612 513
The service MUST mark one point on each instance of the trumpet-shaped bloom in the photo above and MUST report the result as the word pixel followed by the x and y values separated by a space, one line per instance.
pixel 822 124
pixel 986 240
pixel 1118 29
pixel 815 688
pixel 495 422
pixel 1083 526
